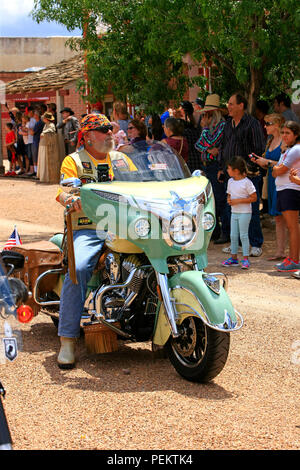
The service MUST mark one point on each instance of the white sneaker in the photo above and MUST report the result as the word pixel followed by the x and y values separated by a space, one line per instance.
pixel 255 251
pixel 227 249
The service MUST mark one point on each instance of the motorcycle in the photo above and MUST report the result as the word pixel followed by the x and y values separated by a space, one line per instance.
pixel 151 282
pixel 13 295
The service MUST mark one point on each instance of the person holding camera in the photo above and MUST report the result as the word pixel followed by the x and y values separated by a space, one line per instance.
pixel 270 158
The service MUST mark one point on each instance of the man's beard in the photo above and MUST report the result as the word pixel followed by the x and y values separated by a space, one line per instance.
pixel 105 146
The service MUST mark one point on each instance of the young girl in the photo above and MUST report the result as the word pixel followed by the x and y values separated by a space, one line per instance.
pixel 241 193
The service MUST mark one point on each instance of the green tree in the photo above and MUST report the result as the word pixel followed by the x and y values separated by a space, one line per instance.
pixel 253 45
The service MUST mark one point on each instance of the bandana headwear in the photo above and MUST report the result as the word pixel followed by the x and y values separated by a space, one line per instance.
pixel 94 122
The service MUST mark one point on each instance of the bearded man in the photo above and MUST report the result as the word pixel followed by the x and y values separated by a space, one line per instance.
pixel 97 145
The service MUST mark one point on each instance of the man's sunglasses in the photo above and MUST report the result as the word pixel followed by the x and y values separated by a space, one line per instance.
pixel 267 123
pixel 105 129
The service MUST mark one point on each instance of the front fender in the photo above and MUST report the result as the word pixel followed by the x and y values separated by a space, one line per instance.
pixel 193 297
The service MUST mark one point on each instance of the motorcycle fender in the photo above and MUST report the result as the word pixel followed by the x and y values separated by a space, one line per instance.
pixel 194 298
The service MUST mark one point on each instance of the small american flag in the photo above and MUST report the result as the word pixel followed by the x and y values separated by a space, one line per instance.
pixel 13 240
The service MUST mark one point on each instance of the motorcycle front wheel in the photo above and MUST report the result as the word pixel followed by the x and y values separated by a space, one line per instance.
pixel 200 353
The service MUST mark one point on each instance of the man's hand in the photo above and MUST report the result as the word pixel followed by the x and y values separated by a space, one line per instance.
pixel 70 202
pixel 73 203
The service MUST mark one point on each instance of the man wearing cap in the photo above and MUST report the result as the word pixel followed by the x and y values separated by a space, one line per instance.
pixel 97 145
pixel 70 126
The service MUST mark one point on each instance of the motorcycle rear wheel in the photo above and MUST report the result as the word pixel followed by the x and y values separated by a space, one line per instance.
pixel 200 353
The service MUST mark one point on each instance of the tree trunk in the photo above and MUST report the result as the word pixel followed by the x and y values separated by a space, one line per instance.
pixel 254 89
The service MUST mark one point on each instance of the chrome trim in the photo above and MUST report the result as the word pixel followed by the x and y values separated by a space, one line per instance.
pixel 223 277
pixel 171 313
pixel 35 289
pixel 102 290
pixel 167 209
pixel 227 326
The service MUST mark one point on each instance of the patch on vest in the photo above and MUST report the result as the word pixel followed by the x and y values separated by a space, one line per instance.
pixel 87 165
pixel 84 221
pixel 120 164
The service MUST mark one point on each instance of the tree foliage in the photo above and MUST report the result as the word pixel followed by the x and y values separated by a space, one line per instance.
pixel 253 45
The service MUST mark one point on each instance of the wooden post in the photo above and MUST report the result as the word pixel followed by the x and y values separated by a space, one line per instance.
pixel 59 106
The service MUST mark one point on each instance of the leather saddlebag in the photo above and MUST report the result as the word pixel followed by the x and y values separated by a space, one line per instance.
pixel 38 258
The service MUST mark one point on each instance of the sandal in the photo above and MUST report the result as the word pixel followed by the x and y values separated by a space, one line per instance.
pixel 276 258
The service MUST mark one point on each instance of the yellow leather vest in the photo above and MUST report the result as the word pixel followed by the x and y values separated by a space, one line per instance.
pixel 87 169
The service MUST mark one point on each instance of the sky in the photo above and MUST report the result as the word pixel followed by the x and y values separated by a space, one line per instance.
pixel 16 22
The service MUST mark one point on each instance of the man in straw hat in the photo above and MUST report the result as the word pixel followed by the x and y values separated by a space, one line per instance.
pixel 97 145
pixel 208 145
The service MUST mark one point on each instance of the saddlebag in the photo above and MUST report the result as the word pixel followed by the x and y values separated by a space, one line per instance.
pixel 39 257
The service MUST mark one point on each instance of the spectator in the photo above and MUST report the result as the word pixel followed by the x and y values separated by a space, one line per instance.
pixel 242 136
pixel 23 131
pixel 282 105
pixel 155 130
pixel 36 132
pixel 269 159
pixel 119 136
pixel 295 178
pixel 97 108
pixel 31 124
pixel 261 110
pixel 137 132
pixel 48 158
pixel 12 114
pixel 174 129
pixel 20 149
pixel 51 108
pixel 121 116
pixel 288 193
pixel 241 193
pixel 208 145
pixel 43 108
pixel 192 134
pixel 70 126
pixel 10 142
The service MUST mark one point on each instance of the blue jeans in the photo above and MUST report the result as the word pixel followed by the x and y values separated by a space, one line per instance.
pixel 219 190
pixel 87 249
pixel 239 230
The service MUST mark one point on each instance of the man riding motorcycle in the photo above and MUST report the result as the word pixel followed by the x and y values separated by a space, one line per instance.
pixel 97 145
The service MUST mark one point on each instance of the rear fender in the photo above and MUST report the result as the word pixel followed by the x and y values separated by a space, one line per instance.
pixel 193 297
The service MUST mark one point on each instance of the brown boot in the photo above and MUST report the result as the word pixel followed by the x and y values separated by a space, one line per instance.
pixel 66 356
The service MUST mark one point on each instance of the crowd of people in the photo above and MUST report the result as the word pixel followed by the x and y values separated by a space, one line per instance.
pixel 32 141
pixel 252 161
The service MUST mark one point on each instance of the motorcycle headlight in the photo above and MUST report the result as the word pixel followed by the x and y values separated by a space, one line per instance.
pixel 142 227
pixel 208 221
pixel 181 229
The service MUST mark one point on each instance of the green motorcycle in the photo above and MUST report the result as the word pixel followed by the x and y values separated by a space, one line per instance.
pixel 152 285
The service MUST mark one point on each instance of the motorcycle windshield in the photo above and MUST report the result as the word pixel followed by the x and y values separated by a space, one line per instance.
pixel 150 161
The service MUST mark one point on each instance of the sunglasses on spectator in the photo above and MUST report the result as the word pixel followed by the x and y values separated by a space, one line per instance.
pixel 129 128
pixel 267 123
pixel 105 129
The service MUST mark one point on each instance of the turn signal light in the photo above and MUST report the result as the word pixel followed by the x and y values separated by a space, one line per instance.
pixel 25 314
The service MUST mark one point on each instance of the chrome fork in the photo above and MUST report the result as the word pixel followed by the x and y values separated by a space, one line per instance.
pixel 170 309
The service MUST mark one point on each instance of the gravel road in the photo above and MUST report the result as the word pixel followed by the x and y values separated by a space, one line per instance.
pixel 132 400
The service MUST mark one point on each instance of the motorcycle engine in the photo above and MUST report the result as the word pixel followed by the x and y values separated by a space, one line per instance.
pixel 132 303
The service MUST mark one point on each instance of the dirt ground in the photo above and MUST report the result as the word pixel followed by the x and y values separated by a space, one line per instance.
pixel 131 400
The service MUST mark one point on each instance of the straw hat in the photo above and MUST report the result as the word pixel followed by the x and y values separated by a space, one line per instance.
pixel 212 102
pixel 48 116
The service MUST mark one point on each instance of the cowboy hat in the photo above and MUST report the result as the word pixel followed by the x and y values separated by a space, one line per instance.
pixel 68 110
pixel 212 102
